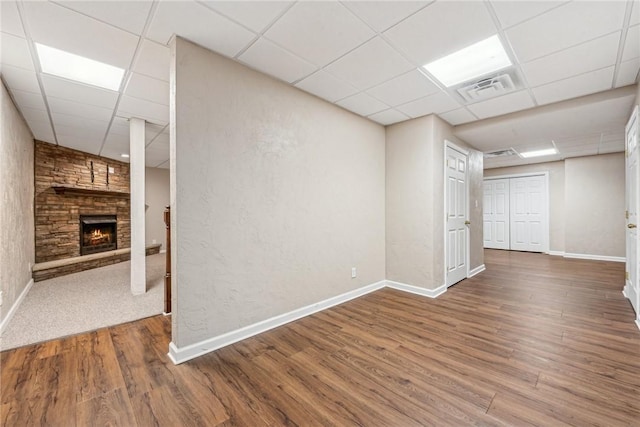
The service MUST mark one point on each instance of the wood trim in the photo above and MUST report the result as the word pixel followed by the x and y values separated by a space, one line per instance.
pixel 14 307
pixel 74 191
pixel 182 354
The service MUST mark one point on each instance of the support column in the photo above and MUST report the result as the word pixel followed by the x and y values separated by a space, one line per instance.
pixel 137 184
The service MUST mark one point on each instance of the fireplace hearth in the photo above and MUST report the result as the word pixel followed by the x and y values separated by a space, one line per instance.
pixel 98 233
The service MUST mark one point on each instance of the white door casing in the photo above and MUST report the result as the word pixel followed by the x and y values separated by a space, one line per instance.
pixel 496 214
pixel 456 206
pixel 632 285
pixel 528 213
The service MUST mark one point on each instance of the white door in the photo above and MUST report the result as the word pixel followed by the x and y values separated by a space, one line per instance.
pixel 528 213
pixel 496 214
pixel 632 287
pixel 456 203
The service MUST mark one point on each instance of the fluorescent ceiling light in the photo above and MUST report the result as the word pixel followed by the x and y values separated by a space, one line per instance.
pixel 471 62
pixel 539 153
pixel 125 155
pixel 74 67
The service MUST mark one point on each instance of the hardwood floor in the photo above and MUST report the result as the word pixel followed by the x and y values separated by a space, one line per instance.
pixel 534 340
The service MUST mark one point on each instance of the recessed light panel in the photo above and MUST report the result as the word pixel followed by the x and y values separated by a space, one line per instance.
pixel 539 153
pixel 470 63
pixel 78 68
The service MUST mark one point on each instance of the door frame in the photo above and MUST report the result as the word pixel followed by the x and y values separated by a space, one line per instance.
pixel 453 146
pixel 625 291
pixel 547 224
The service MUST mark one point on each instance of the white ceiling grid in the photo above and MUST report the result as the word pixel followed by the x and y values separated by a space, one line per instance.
pixel 364 56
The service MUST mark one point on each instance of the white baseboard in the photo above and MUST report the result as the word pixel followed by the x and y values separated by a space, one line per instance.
pixel 479 269
pixel 596 257
pixel 556 253
pixel 638 323
pixel 431 293
pixel 15 306
pixel 180 355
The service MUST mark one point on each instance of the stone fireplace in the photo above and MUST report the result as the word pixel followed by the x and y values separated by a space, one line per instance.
pixel 98 233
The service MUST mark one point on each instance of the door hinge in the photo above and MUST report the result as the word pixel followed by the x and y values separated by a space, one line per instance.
pixel 626 275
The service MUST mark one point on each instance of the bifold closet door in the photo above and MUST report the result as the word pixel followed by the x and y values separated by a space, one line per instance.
pixel 528 213
pixel 496 214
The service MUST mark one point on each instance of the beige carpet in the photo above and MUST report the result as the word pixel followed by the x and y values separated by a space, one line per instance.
pixel 83 302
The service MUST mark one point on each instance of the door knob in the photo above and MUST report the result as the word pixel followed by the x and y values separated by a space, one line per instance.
pixel 467 223
pixel 632 226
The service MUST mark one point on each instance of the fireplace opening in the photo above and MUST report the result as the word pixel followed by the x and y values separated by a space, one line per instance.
pixel 98 233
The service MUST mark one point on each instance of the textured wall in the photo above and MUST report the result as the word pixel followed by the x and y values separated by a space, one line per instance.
pixel 595 205
pixel 16 208
pixel 277 195
pixel 415 201
pixel 156 198
pixel 57 216
pixel 556 196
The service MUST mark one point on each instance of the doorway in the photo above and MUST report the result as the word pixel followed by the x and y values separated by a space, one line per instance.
pixel 632 284
pixel 456 214
pixel 516 213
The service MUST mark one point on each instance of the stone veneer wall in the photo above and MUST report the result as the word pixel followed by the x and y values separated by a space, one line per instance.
pixel 57 216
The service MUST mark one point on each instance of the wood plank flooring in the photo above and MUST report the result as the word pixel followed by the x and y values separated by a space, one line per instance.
pixel 534 340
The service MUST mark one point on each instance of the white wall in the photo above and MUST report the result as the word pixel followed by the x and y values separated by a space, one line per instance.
pixel 17 252
pixel 595 205
pixel 276 194
pixel 156 199
pixel 415 202
pixel 586 203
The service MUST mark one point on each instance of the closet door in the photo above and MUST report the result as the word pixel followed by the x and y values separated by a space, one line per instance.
pixel 496 214
pixel 528 206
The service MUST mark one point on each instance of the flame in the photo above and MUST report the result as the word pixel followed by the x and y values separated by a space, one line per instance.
pixel 97 233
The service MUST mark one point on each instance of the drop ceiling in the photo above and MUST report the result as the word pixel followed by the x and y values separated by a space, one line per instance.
pixel 574 62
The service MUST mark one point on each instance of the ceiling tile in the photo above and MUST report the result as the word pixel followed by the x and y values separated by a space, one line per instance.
pixel 437 103
pixel 42 131
pixel 256 15
pixel 362 104
pixel 154 157
pixel 567 143
pixel 513 12
pixel 589 56
pixel 91 133
pixel 627 72
pixel 15 51
pixel 116 144
pixel 28 99
pixel 199 24
pixel 632 44
pixel 319 32
pixel 573 87
pixel 404 88
pixel 141 86
pixel 388 117
pixel 635 13
pixel 457 117
pixel 441 28
pixel 152 130
pixel 150 111
pixel 127 15
pixel 86 145
pixel 70 31
pixel 509 103
pixel 64 106
pixel 34 115
pixel 80 122
pixel 363 68
pixel 153 60
pixel 326 86
pixel 550 33
pixel 161 141
pixel 383 14
pixel 270 58
pixel 20 79
pixel 78 92
pixel 165 165
pixel 10 21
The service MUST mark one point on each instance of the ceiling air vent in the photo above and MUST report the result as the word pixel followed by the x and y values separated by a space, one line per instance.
pixel 487 88
pixel 499 153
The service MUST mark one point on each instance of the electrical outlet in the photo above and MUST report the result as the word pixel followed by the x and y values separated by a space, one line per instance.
pixel 353 272
pixel 153 241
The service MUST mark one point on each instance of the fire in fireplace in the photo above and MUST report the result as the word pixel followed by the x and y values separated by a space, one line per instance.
pixel 98 233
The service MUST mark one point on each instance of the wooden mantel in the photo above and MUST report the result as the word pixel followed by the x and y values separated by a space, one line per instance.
pixel 61 189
